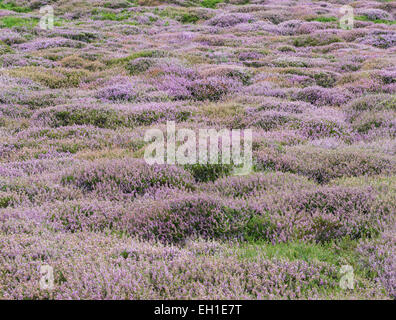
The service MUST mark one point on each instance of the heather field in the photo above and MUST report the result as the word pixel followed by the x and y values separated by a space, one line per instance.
pixel 317 209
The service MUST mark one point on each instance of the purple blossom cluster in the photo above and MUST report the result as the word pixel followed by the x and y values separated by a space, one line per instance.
pixel 375 14
pixel 385 40
pixel 95 266
pixel 118 92
pixel 322 96
pixel 11 37
pixel 184 83
pixel 324 164
pixel 229 20
pixel 170 221
pixel 380 257
pixel 39 44
pixel 319 215
pixel 113 116
pixel 127 177
pixel 245 187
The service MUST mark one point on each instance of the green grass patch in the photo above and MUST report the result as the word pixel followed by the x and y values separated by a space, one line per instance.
pixel 183 15
pixel 58 22
pixel 337 252
pixel 364 18
pixel 209 172
pixel 112 16
pixel 10 22
pixel 210 3
pixel 323 19
pixel 334 253
pixel 189 18
pixel 13 7
pixel 290 251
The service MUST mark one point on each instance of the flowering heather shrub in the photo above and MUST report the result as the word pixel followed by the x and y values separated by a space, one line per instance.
pixel 372 112
pixel 296 107
pixel 10 82
pixel 139 65
pixel 324 165
pixel 148 113
pixel 35 190
pixel 210 88
pixel 176 87
pixel 187 216
pixel 320 128
pixel 278 138
pixel 322 96
pixel 348 212
pixel 309 27
pixel 229 20
pixel 384 41
pixel 289 27
pixel 118 92
pixel 384 185
pixel 387 76
pixel 375 102
pixel 267 120
pixel 6 199
pixel 170 221
pixel 52 78
pixel 316 39
pixel 375 14
pixel 368 121
pixel 76 34
pixel 284 62
pixel 111 117
pixel 88 216
pixel 34 167
pixel 265 89
pixel 325 79
pixel 213 88
pixel 320 215
pixel 302 81
pixel 6 149
pixel 172 68
pixel 238 74
pixel 322 122
pixel 13 60
pixel 365 86
pixel 84 136
pixel 250 55
pixel 129 177
pixel 244 187
pixel 275 16
pixel 174 80
pixel 77 115
pixel 107 267
pixel 11 37
pixel 39 44
pixel 379 257
pixel 21 220
pixel 77 62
